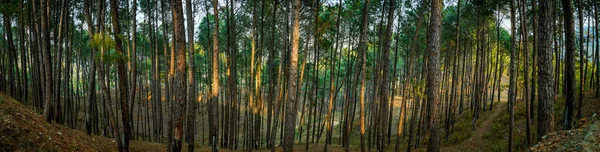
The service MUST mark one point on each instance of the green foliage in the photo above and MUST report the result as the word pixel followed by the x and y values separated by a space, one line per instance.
pixel 102 40
pixel 105 42
pixel 419 91
pixel 11 8
pixel 497 137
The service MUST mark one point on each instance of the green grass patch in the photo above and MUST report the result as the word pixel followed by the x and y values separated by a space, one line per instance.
pixel 497 137
pixel 461 131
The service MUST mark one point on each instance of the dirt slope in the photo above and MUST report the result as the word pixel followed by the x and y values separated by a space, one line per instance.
pixel 474 142
pixel 585 137
pixel 21 129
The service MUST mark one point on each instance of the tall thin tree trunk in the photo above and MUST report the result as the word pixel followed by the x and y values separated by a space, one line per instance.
pixel 47 62
pixel 362 74
pixel 290 116
pixel 569 73
pixel 524 36
pixel 91 98
pixel 133 62
pixel 123 87
pixel 328 118
pixel 512 96
pixel 454 73
pixel 214 93
pixel 433 70
pixel 384 96
pixel 191 92
pixel 272 84
pixel 178 112
pixel 581 60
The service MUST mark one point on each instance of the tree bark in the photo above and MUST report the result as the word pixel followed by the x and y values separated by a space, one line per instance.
pixel 273 114
pixel 121 71
pixel 46 59
pixel 214 94
pixel 133 62
pixel 362 43
pixel 290 116
pixel 545 79
pixel 191 92
pixel 512 96
pixel 569 73
pixel 180 82
pixel 524 36
pixel 581 60
pixel 383 108
pixel 433 70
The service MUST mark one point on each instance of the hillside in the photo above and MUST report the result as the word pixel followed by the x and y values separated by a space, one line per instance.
pixel 494 137
pixel 585 137
pixel 22 129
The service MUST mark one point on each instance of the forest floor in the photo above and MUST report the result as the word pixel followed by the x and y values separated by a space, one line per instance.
pixel 474 142
pixel 584 137
pixel 22 129
pixel 492 133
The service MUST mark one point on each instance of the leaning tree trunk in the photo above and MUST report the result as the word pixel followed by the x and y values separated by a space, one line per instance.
pixel 331 79
pixel 121 71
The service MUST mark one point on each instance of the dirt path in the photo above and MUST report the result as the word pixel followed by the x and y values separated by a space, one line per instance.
pixel 475 142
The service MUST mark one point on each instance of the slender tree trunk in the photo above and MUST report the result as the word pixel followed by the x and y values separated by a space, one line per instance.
pixel 91 98
pixel 569 73
pixel 328 118
pixel 272 78
pixel 581 60
pixel 533 65
pixel 454 73
pixel 290 116
pixel 597 48
pixel 512 96
pixel 384 96
pixel 362 74
pixel 47 62
pixel 271 129
pixel 133 62
pixel 433 70
pixel 12 54
pixel 213 97
pixel 123 87
pixel 191 92
pixel 524 37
